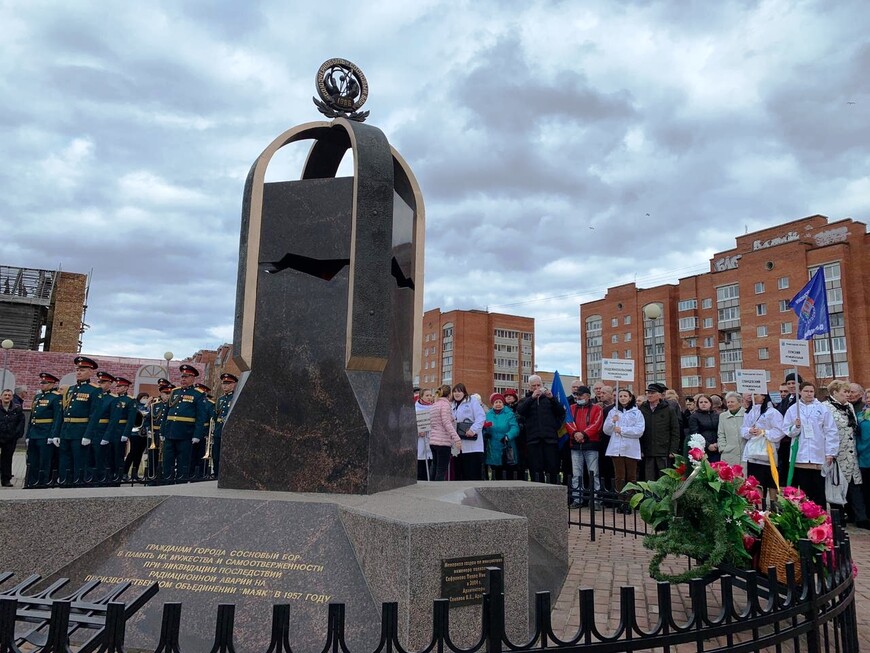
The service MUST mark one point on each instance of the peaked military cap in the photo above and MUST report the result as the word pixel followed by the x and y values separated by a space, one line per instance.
pixel 202 386
pixel 162 381
pixel 189 369
pixel 105 376
pixel 51 378
pixel 169 387
pixel 120 380
pixel 232 378
pixel 84 361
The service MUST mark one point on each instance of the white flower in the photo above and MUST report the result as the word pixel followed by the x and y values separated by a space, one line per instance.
pixel 697 441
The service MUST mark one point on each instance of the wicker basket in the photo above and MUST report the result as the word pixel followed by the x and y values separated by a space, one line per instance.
pixel 775 552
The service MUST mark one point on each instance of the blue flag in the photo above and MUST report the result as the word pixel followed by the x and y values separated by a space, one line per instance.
pixel 811 307
pixel 559 395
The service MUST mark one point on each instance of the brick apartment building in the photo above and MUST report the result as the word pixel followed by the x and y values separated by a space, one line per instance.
pixel 488 352
pixel 733 316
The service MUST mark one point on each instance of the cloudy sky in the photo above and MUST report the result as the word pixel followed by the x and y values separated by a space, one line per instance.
pixel 562 147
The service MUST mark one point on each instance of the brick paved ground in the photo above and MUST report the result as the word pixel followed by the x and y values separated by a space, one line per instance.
pixel 614 560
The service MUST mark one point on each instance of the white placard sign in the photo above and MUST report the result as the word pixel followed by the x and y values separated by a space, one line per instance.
pixel 617 369
pixel 752 381
pixel 794 352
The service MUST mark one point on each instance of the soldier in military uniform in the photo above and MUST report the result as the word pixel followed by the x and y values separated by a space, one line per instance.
pixel 183 425
pixel 80 404
pixel 150 430
pixel 99 424
pixel 199 466
pixel 222 411
pixel 122 416
pixel 43 436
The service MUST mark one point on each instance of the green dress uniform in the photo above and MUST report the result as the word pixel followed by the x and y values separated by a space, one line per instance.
pixel 46 418
pixel 222 411
pixel 100 424
pixel 185 420
pixel 151 430
pixel 81 403
pixel 122 416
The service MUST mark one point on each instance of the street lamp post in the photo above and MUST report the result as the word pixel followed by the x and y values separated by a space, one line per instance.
pixel 653 313
pixel 6 345
pixel 168 356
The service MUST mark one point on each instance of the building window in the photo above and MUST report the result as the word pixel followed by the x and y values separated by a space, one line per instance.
pixel 688 323
pixel 728 376
pixel 710 382
pixel 731 356
pixel 690 342
pixel 729 314
pixel 614 338
pixel 835 298
pixel 725 293
pixel 823 370
pixel 614 354
pixel 763 354
pixel 785 328
pixel 627 337
pixel 832 271
pixel 687 362
pixel 761 331
pixel 687 305
pixel 627 319
pixel 761 309
pixel 628 353
pixel 707 303
pixel 783 306
pixel 614 321
pixel 821 345
pixel 759 287
pixel 710 361
pixel 691 381
pixel 708 322
pixel 708 342
pixel 782 283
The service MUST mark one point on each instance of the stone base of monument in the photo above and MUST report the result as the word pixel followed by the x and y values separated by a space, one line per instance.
pixel 207 546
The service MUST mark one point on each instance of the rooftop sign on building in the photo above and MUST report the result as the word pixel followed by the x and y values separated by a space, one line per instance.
pixel 790 237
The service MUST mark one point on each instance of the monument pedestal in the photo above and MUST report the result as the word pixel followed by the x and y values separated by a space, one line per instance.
pixel 206 546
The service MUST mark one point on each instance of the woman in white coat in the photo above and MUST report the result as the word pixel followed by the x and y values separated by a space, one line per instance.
pixel 624 425
pixel 762 430
pixel 468 411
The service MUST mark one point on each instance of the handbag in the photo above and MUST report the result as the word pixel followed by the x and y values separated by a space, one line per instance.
pixel 462 429
pixel 508 457
pixel 756 449
pixel 835 486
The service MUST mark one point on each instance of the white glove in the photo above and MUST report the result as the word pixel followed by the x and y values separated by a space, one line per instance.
pixel 195 441
pixel 124 438
pixel 162 439
pixel 86 441
pixel 54 441
pixel 26 442
pixel 104 442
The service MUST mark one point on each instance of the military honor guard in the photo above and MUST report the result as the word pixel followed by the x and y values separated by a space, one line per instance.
pixel 99 424
pixel 200 455
pixel 80 405
pixel 43 436
pixel 122 416
pixel 183 425
pixel 222 411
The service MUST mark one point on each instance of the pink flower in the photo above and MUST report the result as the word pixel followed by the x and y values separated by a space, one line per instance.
pixel 696 454
pixel 753 497
pixel 737 469
pixel 748 541
pixel 752 482
pixel 811 510
pixel 757 517
pixel 854 570
pixel 726 473
pixel 793 493
pixel 718 465
pixel 817 534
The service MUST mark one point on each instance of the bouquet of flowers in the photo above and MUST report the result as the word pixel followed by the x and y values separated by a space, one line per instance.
pixel 700 510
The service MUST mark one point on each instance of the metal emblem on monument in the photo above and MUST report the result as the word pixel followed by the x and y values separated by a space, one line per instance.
pixel 343 89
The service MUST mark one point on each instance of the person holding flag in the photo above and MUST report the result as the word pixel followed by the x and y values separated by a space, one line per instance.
pixel 544 416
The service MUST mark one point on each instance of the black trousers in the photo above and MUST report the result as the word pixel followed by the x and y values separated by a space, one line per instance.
pixel 543 459
pixel 440 462
pixel 134 458
pixel 7 450
pixel 812 483
pixel 472 466
pixel 176 459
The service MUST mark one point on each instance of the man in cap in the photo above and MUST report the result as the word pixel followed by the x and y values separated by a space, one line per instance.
pixel 661 433
pixel 150 430
pixel 183 425
pixel 122 416
pixel 80 404
pixel 222 411
pixel 43 436
pixel 99 424
pixel 792 383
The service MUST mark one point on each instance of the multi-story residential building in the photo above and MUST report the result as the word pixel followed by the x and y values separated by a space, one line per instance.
pixel 733 316
pixel 488 352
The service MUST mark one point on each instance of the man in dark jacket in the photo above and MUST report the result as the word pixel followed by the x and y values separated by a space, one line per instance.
pixel 543 416
pixel 661 433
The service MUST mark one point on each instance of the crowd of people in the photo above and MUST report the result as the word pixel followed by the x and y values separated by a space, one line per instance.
pixel 94 433
pixel 800 436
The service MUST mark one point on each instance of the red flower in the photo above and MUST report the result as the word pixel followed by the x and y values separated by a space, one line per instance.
pixel 751 482
pixel 816 534
pixel 753 497
pixel 757 517
pixel 737 469
pixel 696 454
pixel 811 510
pixel 681 469
pixel 748 541
pixel 793 493
pixel 726 473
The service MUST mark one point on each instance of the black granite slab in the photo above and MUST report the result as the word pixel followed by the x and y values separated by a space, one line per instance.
pixel 204 551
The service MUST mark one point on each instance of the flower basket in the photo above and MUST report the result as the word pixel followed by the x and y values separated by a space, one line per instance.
pixel 776 551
